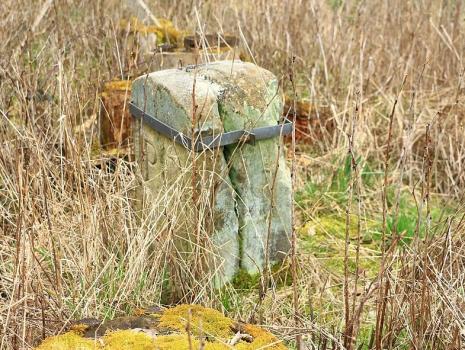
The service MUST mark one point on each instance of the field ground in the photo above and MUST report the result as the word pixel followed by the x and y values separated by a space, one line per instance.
pixel 380 174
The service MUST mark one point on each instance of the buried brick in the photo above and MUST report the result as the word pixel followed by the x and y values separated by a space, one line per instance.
pixel 230 192
pixel 114 116
pixel 314 123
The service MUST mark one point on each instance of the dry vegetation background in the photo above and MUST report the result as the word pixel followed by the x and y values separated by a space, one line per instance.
pixel 386 82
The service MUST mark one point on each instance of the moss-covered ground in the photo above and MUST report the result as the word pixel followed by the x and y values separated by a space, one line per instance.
pixel 182 327
pixel 326 227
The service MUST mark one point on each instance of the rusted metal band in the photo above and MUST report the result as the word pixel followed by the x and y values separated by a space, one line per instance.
pixel 209 142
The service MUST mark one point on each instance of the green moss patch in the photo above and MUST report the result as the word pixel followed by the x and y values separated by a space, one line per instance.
pixel 324 237
pixel 202 321
pixel 181 327
pixel 67 341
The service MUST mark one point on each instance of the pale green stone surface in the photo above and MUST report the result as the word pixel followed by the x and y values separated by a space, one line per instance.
pixel 230 96
pixel 252 99
pixel 166 166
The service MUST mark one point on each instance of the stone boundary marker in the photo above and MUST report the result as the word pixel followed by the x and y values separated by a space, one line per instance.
pixel 242 191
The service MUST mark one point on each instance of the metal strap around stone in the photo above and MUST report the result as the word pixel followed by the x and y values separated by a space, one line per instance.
pixel 202 142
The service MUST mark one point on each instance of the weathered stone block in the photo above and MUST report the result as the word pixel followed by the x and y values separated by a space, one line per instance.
pixel 248 186
pixel 252 99
pixel 167 167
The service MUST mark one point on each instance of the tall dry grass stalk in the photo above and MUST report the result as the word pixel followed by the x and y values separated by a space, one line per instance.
pixel 71 246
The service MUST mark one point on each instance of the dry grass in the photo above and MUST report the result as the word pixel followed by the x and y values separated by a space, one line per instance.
pixel 71 246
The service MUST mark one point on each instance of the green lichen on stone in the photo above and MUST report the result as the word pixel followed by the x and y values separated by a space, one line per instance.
pixel 248 186
pixel 166 168
pixel 251 99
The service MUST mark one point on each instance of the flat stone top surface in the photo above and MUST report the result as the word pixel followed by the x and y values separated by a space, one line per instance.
pixel 240 84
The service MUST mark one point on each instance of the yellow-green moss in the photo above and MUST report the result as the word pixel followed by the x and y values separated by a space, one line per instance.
pixel 202 320
pixel 324 237
pixel 68 341
pixel 166 31
pixel 118 85
pixel 117 88
pixel 128 340
pixel 262 339
pixel 181 341
pixel 214 325
pixel 175 341
pixel 79 328
pixel 215 329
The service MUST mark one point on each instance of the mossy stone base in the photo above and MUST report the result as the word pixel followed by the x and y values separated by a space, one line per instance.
pixel 179 328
